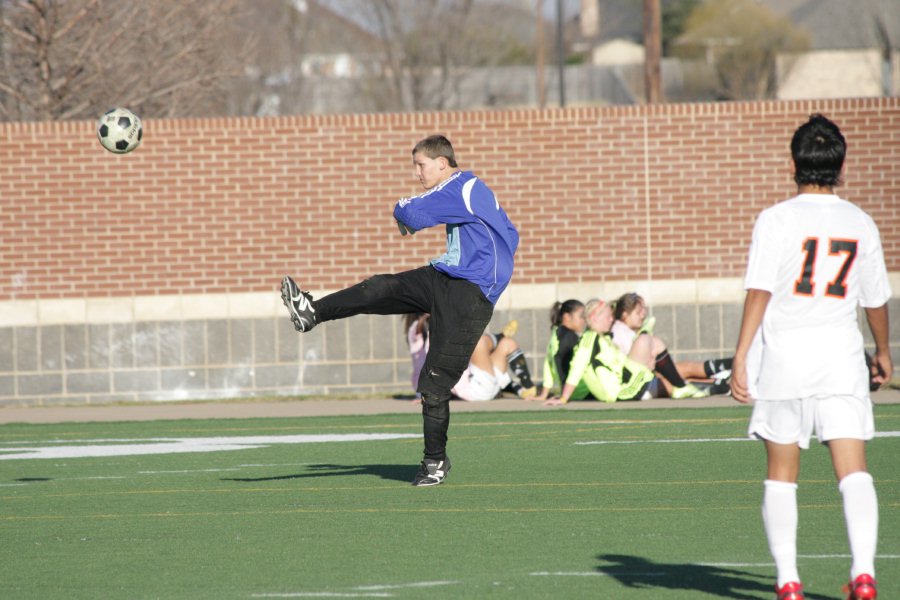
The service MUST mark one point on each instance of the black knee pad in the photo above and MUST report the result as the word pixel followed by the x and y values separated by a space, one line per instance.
pixel 438 382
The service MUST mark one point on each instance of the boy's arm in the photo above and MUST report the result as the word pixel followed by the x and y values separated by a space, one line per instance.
pixel 882 365
pixel 443 205
pixel 754 308
pixel 412 214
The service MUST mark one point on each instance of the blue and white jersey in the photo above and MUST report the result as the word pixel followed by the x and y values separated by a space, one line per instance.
pixel 481 240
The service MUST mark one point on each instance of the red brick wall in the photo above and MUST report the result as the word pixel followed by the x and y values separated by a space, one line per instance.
pixel 229 205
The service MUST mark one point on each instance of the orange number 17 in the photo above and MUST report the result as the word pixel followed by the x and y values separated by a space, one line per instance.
pixel 805 286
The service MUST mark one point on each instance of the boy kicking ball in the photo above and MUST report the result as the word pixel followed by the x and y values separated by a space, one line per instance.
pixel 458 289
pixel 813 260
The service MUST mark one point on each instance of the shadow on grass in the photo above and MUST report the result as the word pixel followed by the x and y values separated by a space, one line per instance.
pixel 390 472
pixel 638 572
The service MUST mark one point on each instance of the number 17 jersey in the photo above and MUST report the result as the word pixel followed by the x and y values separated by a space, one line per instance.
pixel 821 258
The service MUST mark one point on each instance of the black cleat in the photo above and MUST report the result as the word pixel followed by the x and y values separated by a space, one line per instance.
pixel 721 385
pixel 299 304
pixel 432 472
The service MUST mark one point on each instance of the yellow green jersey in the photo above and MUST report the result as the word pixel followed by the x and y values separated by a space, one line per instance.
pixel 608 373
pixel 560 350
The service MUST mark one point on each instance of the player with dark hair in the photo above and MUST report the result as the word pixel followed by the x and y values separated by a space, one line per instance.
pixel 566 326
pixel 813 259
pixel 610 374
pixel 458 289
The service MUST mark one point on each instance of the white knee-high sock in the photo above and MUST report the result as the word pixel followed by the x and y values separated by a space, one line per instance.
pixel 861 514
pixel 779 511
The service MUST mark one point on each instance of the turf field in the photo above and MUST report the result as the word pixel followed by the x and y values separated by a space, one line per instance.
pixel 555 504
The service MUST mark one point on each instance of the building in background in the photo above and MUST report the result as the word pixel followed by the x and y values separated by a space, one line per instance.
pixel 855 49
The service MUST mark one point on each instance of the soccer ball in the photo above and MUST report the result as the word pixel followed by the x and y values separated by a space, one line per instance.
pixel 120 130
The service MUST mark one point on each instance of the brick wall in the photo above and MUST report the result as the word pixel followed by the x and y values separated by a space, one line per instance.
pixel 227 205
pixel 154 275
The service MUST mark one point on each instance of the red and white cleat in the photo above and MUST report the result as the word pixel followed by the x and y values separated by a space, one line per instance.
pixel 792 590
pixel 862 588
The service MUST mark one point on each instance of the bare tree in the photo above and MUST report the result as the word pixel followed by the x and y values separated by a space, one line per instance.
pixel 71 59
pixel 426 49
pixel 420 44
pixel 272 81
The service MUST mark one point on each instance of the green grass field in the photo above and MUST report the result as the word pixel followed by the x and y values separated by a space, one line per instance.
pixel 555 504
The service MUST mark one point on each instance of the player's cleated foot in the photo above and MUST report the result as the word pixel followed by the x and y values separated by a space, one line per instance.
pixel 792 590
pixel 299 305
pixel 714 366
pixel 862 588
pixel 432 472
pixel 689 391
pixel 511 328
pixel 721 384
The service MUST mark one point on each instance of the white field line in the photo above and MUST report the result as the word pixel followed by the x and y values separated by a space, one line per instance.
pixel 884 434
pixel 189 445
pixel 678 441
pixel 401 586
pixel 186 471
pixel 135 447
pixel 845 556
pixel 362 591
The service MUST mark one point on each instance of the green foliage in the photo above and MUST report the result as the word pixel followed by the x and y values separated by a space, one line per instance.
pixel 674 17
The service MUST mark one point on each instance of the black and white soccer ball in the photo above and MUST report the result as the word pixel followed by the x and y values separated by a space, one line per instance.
pixel 120 130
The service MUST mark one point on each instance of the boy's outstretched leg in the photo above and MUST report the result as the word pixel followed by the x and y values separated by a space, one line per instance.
pixel 387 294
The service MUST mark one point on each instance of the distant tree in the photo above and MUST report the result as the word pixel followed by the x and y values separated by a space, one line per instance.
pixel 272 80
pixel 740 40
pixel 72 59
pixel 674 16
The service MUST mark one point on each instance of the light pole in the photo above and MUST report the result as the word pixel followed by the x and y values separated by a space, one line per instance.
pixel 561 52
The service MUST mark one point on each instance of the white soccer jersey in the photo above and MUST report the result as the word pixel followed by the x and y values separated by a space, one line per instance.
pixel 820 257
pixel 623 336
